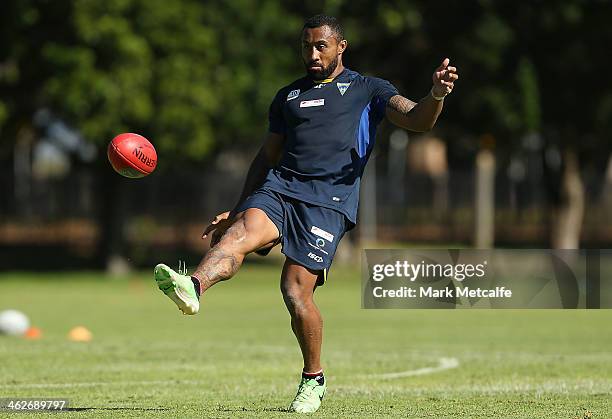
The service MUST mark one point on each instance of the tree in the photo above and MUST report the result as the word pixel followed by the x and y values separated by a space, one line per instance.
pixel 191 76
pixel 528 70
pixel 196 77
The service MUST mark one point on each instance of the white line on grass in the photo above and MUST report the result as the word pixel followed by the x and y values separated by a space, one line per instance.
pixel 443 364
pixel 98 384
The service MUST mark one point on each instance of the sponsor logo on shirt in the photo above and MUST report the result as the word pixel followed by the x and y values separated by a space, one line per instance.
pixel 293 94
pixel 342 87
pixel 322 233
pixel 311 103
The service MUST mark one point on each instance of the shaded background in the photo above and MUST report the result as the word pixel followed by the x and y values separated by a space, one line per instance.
pixel 519 158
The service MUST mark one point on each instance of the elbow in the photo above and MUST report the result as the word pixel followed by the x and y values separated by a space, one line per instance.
pixel 418 126
pixel 422 128
pixel 428 126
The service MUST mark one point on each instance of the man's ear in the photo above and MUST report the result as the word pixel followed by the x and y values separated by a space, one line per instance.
pixel 342 46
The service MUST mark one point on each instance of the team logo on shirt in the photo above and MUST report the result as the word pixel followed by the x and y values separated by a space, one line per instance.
pixel 293 94
pixel 342 87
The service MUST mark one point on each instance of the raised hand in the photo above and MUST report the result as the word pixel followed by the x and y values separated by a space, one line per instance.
pixel 444 79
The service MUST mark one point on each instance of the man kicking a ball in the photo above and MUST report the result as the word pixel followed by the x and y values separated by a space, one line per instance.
pixel 302 189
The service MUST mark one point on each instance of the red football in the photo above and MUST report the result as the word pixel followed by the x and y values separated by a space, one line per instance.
pixel 132 155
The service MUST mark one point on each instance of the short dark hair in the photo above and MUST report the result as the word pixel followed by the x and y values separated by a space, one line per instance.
pixel 317 21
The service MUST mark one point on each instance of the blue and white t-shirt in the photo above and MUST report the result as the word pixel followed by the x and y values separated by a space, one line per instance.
pixel 329 130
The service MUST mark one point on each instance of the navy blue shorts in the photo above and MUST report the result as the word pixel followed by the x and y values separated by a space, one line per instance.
pixel 309 234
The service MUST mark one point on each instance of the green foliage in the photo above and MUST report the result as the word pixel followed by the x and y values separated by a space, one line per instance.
pixel 3 112
pixel 190 75
pixel 528 85
pixel 197 76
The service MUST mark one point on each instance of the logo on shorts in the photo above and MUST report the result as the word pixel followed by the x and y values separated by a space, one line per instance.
pixel 318 248
pixel 322 233
pixel 293 94
pixel 320 242
pixel 315 257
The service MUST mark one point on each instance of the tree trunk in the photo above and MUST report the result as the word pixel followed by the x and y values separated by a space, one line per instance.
pixel 567 216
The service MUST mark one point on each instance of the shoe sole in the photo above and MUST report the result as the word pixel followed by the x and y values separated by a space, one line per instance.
pixel 169 286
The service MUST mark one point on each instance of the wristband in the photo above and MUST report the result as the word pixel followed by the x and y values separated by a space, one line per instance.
pixel 438 98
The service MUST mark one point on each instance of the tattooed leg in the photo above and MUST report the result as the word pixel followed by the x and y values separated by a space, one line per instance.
pixel 223 260
pixel 251 230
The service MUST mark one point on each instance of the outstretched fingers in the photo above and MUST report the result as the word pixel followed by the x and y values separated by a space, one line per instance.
pixel 444 78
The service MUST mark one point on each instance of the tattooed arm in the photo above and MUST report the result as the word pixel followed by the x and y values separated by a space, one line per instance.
pixel 422 116
pixel 413 116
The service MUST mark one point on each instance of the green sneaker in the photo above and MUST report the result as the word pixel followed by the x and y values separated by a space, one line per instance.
pixel 178 287
pixel 308 397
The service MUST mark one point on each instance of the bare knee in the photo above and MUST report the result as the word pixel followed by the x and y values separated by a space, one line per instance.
pixel 295 297
pixel 297 287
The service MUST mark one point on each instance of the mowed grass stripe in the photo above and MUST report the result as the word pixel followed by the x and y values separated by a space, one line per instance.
pixel 238 358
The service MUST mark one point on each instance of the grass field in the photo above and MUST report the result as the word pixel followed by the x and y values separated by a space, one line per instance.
pixel 238 358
